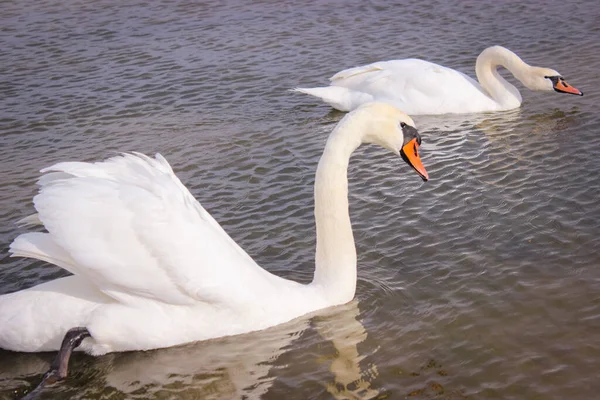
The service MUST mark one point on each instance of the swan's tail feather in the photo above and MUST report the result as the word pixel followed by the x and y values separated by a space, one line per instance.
pixel 42 247
pixel 30 220
pixel 338 97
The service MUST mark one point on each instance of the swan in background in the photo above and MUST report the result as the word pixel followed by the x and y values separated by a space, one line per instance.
pixel 423 88
pixel 152 269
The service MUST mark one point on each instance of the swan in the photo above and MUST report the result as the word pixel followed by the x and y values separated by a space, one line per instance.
pixel 421 87
pixel 152 269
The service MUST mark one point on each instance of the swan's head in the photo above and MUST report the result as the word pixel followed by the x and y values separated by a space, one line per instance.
pixel 392 129
pixel 546 79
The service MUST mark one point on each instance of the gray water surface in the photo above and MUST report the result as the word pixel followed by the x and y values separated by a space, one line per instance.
pixel 483 283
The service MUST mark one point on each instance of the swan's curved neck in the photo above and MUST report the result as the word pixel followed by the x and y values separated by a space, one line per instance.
pixel 486 68
pixel 335 260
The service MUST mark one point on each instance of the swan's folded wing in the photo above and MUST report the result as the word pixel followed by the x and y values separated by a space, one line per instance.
pixel 413 85
pixel 134 230
pixel 350 72
pixel 401 74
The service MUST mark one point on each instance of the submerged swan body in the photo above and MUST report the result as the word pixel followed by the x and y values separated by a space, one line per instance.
pixel 151 268
pixel 420 87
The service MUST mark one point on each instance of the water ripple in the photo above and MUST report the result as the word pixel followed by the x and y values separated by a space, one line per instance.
pixel 482 282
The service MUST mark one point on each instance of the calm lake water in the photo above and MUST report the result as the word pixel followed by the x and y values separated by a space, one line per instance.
pixel 483 283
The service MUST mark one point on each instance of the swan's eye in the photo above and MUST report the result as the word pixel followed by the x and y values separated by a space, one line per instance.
pixel 402 125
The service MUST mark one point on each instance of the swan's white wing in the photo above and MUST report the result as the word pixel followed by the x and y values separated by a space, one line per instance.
pixel 130 226
pixel 347 73
pixel 415 86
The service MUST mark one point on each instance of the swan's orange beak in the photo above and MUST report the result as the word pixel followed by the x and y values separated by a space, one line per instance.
pixel 562 86
pixel 410 154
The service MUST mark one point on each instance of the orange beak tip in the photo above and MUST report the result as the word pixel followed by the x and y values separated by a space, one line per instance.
pixel 564 87
pixel 410 154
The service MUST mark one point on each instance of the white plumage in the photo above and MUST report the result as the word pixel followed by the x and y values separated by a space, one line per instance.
pixel 421 87
pixel 153 269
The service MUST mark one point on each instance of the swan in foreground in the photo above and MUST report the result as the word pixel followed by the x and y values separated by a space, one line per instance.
pixel 151 268
pixel 421 87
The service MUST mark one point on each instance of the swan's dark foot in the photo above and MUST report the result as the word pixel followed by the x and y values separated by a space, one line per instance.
pixel 59 367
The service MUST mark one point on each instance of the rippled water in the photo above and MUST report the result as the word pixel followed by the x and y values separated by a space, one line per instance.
pixel 481 283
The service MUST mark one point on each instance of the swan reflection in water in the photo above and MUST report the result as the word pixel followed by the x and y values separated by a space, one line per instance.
pixel 243 366
pixel 345 332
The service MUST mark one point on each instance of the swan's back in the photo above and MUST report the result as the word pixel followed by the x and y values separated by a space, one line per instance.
pixel 415 86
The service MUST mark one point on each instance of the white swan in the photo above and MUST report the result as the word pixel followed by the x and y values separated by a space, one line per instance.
pixel 420 87
pixel 151 268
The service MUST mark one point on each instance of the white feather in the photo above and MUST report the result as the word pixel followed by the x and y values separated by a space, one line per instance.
pixel 153 269
pixel 422 87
